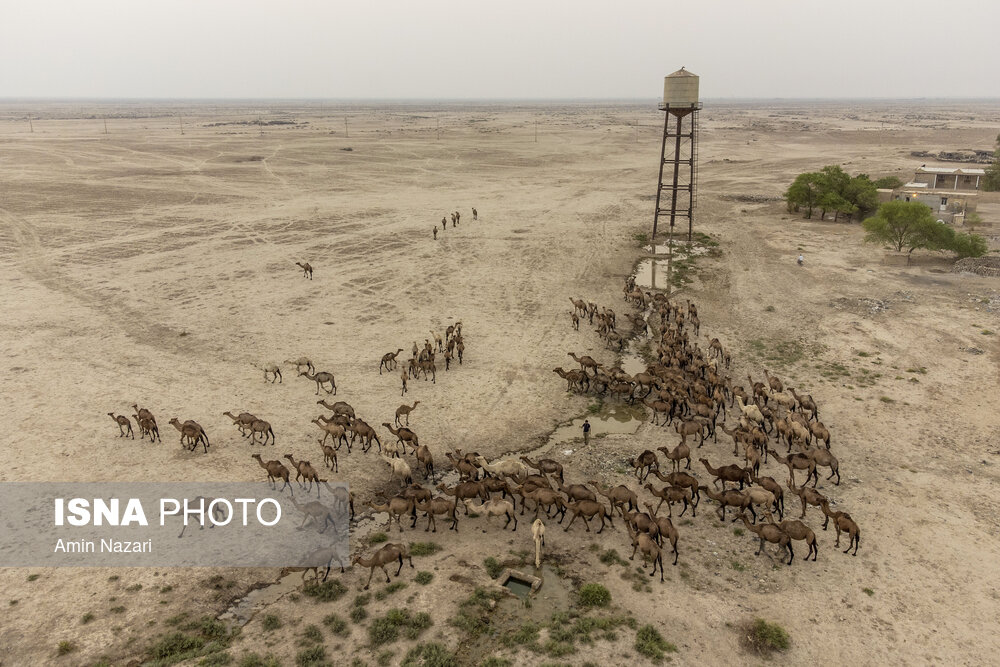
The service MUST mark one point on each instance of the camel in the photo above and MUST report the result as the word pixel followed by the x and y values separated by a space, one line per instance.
pixel 402 376
pixel 542 496
pixel 329 456
pixel 695 426
pixel 585 362
pixel 798 531
pixel 149 427
pixel 460 350
pixel 843 523
pixel 759 390
pixel 388 361
pixel 142 413
pixel 465 469
pixel 361 428
pixel 492 485
pixel 331 428
pixel 192 432
pixel 341 496
pixel 751 412
pixel 438 506
pixel 730 498
pixel 643 464
pixel 464 490
pixel 545 466
pixel 397 507
pixel 806 403
pixel 305 471
pixel 386 554
pixel 822 457
pixel 797 461
pixel 579 305
pixel 262 427
pixel 426 459
pixel 317 513
pixel 588 509
pixel 659 408
pixel 807 497
pixel 683 480
pixel 820 432
pixel 728 473
pixel 538 535
pixel 782 399
pixel 772 533
pixel 404 436
pixel 673 494
pixel 275 470
pixel 576 492
pixel 494 507
pixel 320 379
pixel 507 467
pixel 617 497
pixel 578 378
pixel 307 269
pixel 760 496
pixel 771 485
pixel 242 421
pixel 715 348
pixel 650 549
pixel 123 423
pixel 405 410
pixel 321 556
pixel 575 319
pixel 675 455
pixel 273 371
pixel 438 341
pixel 400 470
pixel 666 529
pixel 338 408
pixel 773 382
pixel 300 363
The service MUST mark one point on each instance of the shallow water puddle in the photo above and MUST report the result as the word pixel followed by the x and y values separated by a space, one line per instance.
pixel 617 418
pixel 245 608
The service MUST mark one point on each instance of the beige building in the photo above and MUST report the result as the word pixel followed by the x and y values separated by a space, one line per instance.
pixel 949 178
pixel 946 205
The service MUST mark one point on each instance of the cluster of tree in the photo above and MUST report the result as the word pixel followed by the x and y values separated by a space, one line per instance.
pixel 911 225
pixel 991 183
pixel 832 190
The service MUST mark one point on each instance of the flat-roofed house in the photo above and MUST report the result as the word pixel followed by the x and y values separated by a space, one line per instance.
pixel 949 178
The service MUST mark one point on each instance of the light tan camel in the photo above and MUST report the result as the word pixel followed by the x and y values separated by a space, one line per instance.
pixel 273 370
pixel 538 535
pixel 405 410
pixel 320 379
pixel 300 363
pixel 396 508
pixel 491 508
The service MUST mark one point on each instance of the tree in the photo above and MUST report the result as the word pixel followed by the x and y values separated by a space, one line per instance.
pixel 973 220
pixel 804 192
pixel 991 182
pixel 969 245
pixel 863 195
pixel 900 224
pixel 888 183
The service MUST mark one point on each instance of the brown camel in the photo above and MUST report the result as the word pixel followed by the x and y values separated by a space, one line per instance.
pixel 388 361
pixel 405 410
pixel 331 428
pixel 123 423
pixel 149 427
pixel 618 497
pixel 464 490
pixel 338 408
pixel 307 269
pixel 797 461
pixel 329 456
pixel 242 421
pixel 191 431
pixel 542 497
pixel 262 427
pixel 667 530
pixel 397 507
pixel 798 531
pixel 675 455
pixel 843 523
pixel 727 473
pixel 465 469
pixel 403 435
pixel 403 376
pixel 142 413
pixel 644 463
pixel 772 533
pixel 807 497
pixel 588 509
pixel 320 379
pixel 545 466
pixel 806 403
pixel 380 558
pixel 275 470
pixel 730 498
pixel 673 494
pixel 650 549
pixel 585 362
pixel 681 479
pixel 438 506
pixel 304 471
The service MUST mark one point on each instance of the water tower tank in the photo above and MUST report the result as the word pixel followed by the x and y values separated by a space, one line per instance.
pixel 680 90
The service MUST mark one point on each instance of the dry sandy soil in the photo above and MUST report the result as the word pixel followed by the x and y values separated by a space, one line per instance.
pixel 156 266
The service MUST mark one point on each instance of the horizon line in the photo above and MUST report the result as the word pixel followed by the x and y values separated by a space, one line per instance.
pixel 442 100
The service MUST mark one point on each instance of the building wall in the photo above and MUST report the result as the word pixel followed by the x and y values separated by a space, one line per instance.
pixel 948 181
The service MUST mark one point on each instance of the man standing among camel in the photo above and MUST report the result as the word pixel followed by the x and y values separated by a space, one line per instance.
pixel 586 431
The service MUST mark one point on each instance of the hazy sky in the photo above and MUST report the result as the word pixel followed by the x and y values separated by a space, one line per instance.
pixel 498 49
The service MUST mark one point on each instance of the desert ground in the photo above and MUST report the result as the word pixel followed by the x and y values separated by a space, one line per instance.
pixel 149 256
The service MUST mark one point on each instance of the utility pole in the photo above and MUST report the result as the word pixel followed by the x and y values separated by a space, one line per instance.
pixel 105 125
pixel 536 130
pixel 31 128
pixel 347 132
pixel 260 125
pixel 439 129
pixel 180 119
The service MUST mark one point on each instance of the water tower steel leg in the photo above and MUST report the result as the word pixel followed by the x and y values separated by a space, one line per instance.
pixel 677 169
pixel 659 182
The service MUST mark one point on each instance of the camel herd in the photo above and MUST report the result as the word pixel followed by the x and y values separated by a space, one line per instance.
pixel 690 395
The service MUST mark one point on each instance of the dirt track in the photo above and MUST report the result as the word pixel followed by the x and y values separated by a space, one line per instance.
pixel 145 265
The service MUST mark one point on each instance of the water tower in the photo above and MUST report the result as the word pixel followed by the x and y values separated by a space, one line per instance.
pixel 679 150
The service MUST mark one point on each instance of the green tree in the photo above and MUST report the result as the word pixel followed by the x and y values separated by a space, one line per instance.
pixel 973 220
pixel 991 182
pixel 888 183
pixel 863 195
pixel 804 192
pixel 968 245
pixel 899 224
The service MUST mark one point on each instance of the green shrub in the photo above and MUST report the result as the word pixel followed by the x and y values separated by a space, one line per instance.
pixel 337 625
pixel 176 647
pixel 65 647
pixel 86 618
pixel 493 567
pixel 314 656
pixel 33 577
pixel 382 631
pixel 377 538
pixel 358 614
pixel 216 659
pixel 270 622
pixel 424 548
pixel 650 643
pixel 423 577
pixel 390 589
pixel 496 662
pixel 611 557
pixel 384 658
pixel 431 654
pixel 312 634
pixel 763 637
pixel 594 595
pixel 328 591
